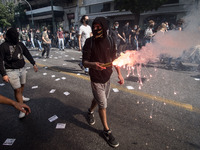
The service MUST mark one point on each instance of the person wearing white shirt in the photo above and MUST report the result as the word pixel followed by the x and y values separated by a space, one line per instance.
pixel 85 32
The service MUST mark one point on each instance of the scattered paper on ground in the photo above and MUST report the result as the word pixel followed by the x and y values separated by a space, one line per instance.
pixel 52 91
pixel 197 79
pixel 60 125
pixel 57 79
pixel 130 87
pixel 66 93
pixel 53 118
pixel 2 84
pixel 115 90
pixel 35 87
pixel 44 74
pixel 63 78
pixel 53 76
pixel 9 142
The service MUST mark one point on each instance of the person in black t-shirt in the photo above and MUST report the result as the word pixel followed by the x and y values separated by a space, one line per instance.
pixel 97 51
pixel 12 64
pixel 116 36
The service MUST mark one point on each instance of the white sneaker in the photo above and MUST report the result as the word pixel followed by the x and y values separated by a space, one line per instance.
pixel 21 115
pixel 25 99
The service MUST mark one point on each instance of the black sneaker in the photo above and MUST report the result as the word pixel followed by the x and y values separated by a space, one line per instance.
pixel 110 138
pixel 90 118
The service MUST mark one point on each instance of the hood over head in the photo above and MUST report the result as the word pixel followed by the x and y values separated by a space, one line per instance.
pixel 12 36
pixel 103 23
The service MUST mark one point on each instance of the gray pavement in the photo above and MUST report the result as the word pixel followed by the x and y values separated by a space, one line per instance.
pixel 163 114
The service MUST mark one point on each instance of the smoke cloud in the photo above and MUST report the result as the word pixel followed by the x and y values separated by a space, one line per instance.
pixel 172 43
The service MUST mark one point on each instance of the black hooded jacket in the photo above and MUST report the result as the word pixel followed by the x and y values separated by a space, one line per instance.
pixel 12 51
pixel 99 50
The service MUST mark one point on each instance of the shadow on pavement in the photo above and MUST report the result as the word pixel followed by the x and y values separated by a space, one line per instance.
pixel 35 131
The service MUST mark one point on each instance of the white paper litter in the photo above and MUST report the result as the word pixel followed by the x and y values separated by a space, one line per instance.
pixel 60 125
pixel 53 118
pixel 197 79
pixel 9 142
pixel 78 74
pixel 57 79
pixel 44 74
pixel 52 91
pixel 73 58
pixel 63 78
pixel 35 87
pixel 66 93
pixel 53 76
pixel 130 87
pixel 2 84
pixel 115 90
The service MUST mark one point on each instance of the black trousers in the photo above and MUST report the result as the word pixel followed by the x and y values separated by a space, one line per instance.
pixel 46 49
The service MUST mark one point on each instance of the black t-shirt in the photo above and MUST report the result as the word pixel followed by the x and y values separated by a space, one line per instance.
pixel 127 31
pixel 11 56
pixel 114 34
pixel 103 51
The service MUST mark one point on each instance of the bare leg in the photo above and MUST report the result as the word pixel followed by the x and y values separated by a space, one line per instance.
pixel 18 95
pixel 22 88
pixel 93 105
pixel 102 114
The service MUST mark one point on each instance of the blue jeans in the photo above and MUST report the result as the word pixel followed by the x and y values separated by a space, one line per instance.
pixel 39 43
pixel 32 43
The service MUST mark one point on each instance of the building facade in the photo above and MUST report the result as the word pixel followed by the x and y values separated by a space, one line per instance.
pixel 67 13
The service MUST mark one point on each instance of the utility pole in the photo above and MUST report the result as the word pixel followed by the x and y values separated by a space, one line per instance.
pixel 53 19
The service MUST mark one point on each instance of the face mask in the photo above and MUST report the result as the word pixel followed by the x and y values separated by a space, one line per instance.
pixel 98 33
pixel 135 28
pixel 116 27
pixel 87 21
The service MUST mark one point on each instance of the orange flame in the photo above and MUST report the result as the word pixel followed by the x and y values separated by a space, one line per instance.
pixel 127 58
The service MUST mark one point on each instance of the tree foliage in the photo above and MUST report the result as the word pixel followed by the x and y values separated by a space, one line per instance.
pixel 6 14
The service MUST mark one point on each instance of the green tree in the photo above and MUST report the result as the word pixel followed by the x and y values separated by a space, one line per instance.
pixel 138 6
pixel 6 14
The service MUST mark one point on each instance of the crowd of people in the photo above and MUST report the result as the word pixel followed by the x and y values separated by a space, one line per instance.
pixel 99 45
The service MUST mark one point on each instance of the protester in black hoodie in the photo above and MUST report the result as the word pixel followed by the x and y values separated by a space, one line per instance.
pixel 12 64
pixel 98 50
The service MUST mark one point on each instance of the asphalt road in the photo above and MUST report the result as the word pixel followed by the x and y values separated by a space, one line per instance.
pixel 163 114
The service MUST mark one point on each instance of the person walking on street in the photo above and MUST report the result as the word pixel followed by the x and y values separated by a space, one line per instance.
pixel 60 39
pixel 116 36
pixel 97 51
pixel 45 43
pixel 24 37
pixel 31 36
pixel 12 64
pixel 38 37
pixel 72 37
pixel 85 32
